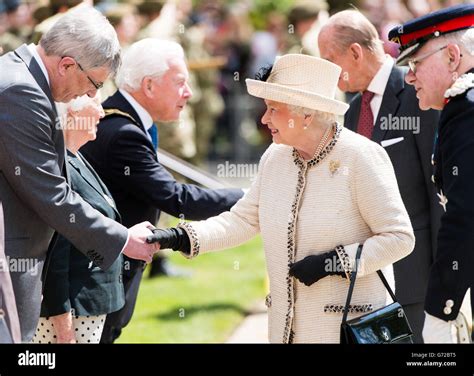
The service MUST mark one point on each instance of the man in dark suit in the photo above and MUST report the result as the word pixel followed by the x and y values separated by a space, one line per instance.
pixel 153 86
pixel 9 324
pixel 386 112
pixel 439 51
pixel 36 196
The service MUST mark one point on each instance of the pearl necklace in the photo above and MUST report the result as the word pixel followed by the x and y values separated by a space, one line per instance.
pixel 323 141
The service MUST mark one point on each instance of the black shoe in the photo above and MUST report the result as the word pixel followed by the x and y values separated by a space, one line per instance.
pixel 162 267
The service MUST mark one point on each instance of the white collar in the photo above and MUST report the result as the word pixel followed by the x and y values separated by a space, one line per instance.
pixel 32 48
pixel 380 80
pixel 143 114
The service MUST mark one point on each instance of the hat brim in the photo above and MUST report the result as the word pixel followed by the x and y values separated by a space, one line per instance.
pixel 405 55
pixel 283 94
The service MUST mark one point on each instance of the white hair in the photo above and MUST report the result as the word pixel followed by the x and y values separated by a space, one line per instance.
pixel 145 58
pixel 464 38
pixel 321 117
pixel 76 104
pixel 85 35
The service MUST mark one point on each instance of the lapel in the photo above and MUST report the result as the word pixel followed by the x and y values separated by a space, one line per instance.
pixel 119 102
pixel 90 177
pixel 24 54
pixel 66 171
pixel 390 101
pixel 352 117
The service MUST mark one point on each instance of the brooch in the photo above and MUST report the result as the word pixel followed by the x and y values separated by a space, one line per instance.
pixel 443 200
pixel 334 167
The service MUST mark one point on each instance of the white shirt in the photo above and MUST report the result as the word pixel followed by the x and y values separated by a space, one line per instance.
pixel 143 114
pixel 378 85
pixel 32 48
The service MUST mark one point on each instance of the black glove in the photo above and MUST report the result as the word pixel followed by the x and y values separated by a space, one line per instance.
pixel 312 268
pixel 175 238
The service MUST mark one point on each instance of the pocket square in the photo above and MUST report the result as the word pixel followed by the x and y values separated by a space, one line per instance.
pixel 392 141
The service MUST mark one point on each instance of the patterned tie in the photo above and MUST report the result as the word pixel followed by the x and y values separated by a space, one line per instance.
pixel 153 132
pixel 366 117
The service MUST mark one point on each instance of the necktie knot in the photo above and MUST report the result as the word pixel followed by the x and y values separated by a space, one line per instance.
pixel 367 96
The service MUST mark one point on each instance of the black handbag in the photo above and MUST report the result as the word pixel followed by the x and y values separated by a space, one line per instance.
pixel 384 326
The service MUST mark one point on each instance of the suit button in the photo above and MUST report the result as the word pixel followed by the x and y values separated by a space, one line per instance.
pixel 447 311
pixel 433 179
pixel 449 303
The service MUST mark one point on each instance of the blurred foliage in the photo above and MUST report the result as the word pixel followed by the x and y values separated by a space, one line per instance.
pixel 261 9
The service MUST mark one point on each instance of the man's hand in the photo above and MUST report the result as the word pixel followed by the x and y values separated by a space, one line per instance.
pixel 137 247
pixel 436 330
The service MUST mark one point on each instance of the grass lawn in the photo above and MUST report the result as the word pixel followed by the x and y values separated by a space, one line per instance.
pixel 205 308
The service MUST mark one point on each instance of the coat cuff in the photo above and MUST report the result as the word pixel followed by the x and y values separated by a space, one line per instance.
pixel 195 246
pixel 347 262
pixel 442 300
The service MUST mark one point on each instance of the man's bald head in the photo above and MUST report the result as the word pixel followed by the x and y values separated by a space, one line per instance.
pixel 349 40
pixel 351 26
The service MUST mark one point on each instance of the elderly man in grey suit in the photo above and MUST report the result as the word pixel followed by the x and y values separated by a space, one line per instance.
pixel 386 111
pixel 9 324
pixel 74 58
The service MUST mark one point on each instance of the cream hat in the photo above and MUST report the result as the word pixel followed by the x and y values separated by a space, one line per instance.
pixel 301 80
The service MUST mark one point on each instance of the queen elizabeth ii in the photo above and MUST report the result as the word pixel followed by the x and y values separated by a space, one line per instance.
pixel 321 190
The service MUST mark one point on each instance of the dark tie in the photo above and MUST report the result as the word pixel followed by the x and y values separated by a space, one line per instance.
pixel 366 117
pixel 153 132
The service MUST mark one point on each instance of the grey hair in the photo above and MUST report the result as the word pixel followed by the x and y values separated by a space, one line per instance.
pixel 351 26
pixel 149 57
pixel 463 38
pixel 321 117
pixel 85 35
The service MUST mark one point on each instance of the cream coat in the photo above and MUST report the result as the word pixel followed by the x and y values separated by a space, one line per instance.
pixel 305 208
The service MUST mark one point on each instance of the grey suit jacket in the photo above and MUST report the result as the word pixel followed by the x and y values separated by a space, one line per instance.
pixel 8 311
pixel 411 159
pixel 36 196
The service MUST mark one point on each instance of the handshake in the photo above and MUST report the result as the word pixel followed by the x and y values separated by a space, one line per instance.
pixel 174 238
pixel 144 240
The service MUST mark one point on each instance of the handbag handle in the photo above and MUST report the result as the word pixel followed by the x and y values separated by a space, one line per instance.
pixel 353 279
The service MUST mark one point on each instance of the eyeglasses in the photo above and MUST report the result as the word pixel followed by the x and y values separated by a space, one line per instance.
pixel 412 62
pixel 97 86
